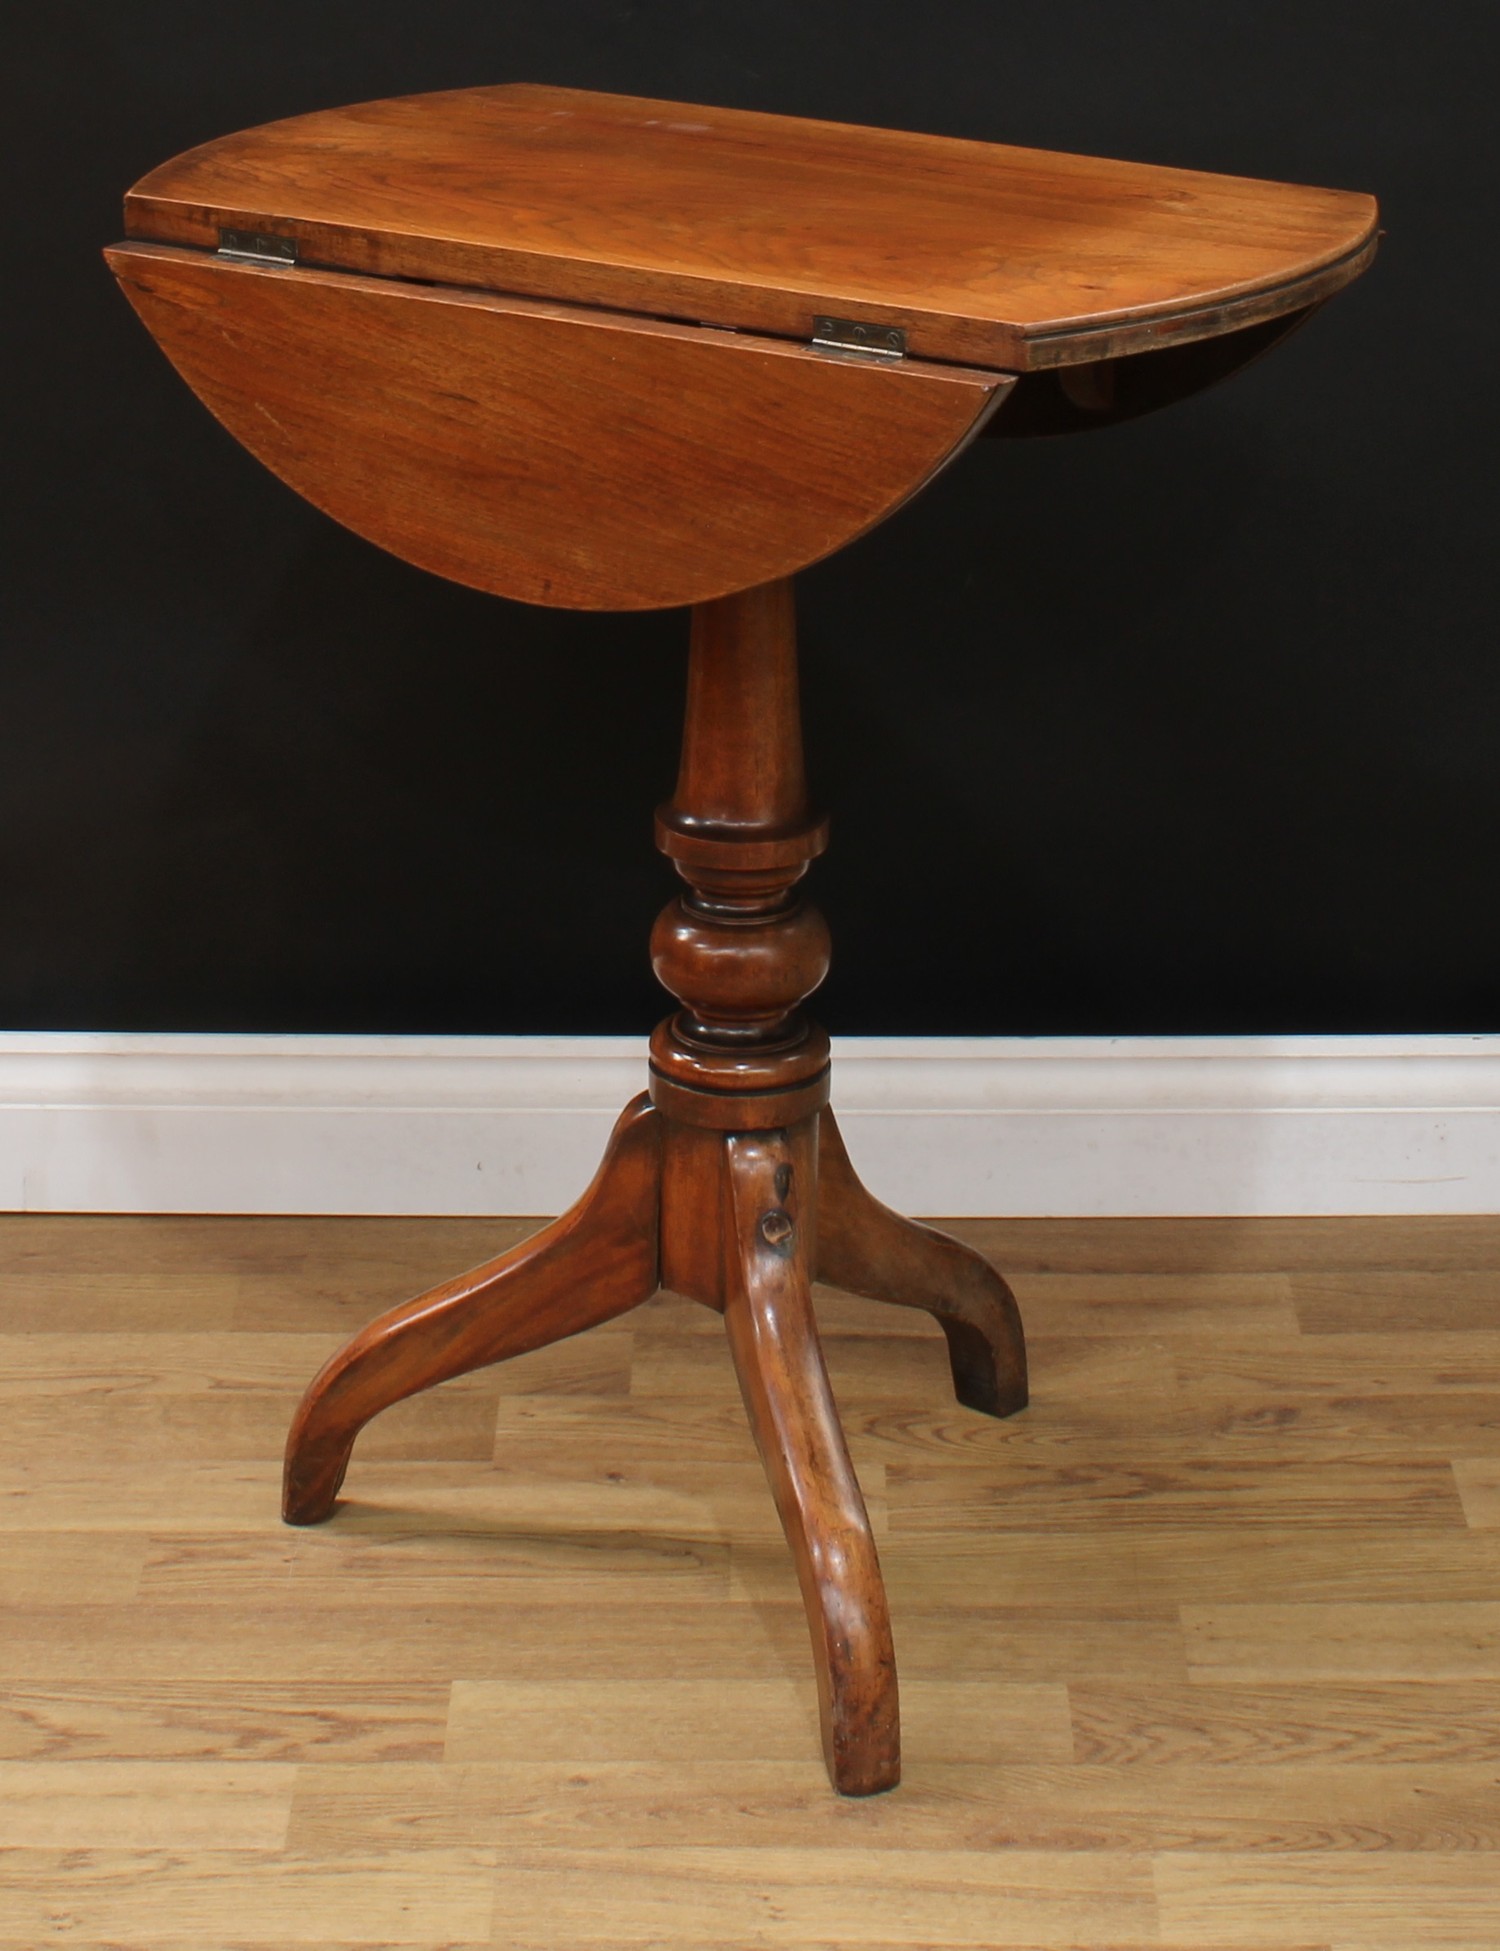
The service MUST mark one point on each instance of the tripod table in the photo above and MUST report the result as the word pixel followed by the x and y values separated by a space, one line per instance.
pixel 609 353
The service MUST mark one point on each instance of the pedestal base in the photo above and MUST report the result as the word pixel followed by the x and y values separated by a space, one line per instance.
pixel 743 1221
pixel 728 1183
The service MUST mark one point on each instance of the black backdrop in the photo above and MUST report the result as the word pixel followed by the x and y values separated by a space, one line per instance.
pixel 1186 726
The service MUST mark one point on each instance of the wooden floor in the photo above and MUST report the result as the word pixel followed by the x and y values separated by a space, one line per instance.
pixel 1201 1651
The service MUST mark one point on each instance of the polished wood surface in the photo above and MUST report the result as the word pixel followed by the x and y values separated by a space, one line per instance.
pixel 865 1248
pixel 544 452
pixel 741 949
pixel 984 253
pixel 599 1260
pixel 1201 1652
pixel 772 1209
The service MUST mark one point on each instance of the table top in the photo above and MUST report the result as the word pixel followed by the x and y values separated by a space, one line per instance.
pixel 981 252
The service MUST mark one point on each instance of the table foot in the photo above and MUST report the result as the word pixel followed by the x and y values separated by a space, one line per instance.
pixel 770 1215
pixel 599 1260
pixel 867 1249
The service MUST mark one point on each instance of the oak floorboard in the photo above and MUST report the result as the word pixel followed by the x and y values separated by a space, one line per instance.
pixel 215 1897
pixel 119 1804
pixel 452 1424
pixel 239 1720
pixel 1404 1301
pixel 849 1897
pixel 1019 1492
pixel 1462 1243
pixel 1160 1568
pixel 57 1496
pixel 1270 1725
pixel 1478 1480
pixel 867 1366
pixel 667 1720
pixel 588 1495
pixel 51 1367
pixel 52 1567
pixel 284 1640
pixel 734 1802
pixel 1301 1428
pixel 1154 1304
pixel 1393 1901
pixel 403 1563
pixel 1417 1640
pixel 1199 1651
pixel 151 1301
pixel 398 1250
pixel 548 1434
pixel 1401 1363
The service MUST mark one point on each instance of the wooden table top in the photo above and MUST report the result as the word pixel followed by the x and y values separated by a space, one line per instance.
pixel 982 253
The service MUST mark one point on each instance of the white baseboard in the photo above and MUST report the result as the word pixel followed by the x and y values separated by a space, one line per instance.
pixel 1067 1126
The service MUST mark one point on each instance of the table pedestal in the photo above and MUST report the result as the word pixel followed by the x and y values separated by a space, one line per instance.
pixel 727 1182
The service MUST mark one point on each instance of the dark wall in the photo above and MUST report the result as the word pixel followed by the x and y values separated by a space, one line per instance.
pixel 1186 726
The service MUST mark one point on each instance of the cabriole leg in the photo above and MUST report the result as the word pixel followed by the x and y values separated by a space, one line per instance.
pixel 865 1248
pixel 770 1215
pixel 597 1261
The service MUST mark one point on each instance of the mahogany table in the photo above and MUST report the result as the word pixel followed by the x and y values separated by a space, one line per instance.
pixel 606 353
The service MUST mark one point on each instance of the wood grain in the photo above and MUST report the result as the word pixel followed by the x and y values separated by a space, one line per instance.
pixel 244 1720
pixel 665 1720
pixel 136 1899
pixel 802 1897
pixel 557 455
pixel 1396 1640
pixel 1271 1725
pixel 983 252
pixel 739 949
pixel 867 1249
pixel 78 1804
pixel 1027 1493
pixel 1479 1488
pixel 486 1708
pixel 1285 1249
pixel 1024 1805
pixel 771 1209
pixel 1407 1300
pixel 48 1565
pixel 1397 1902
pixel 598 1260
pixel 526 1560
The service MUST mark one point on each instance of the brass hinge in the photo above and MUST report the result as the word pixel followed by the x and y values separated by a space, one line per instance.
pixel 254 247
pixel 853 335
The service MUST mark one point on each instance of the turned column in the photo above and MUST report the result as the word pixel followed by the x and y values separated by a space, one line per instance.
pixel 739 948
